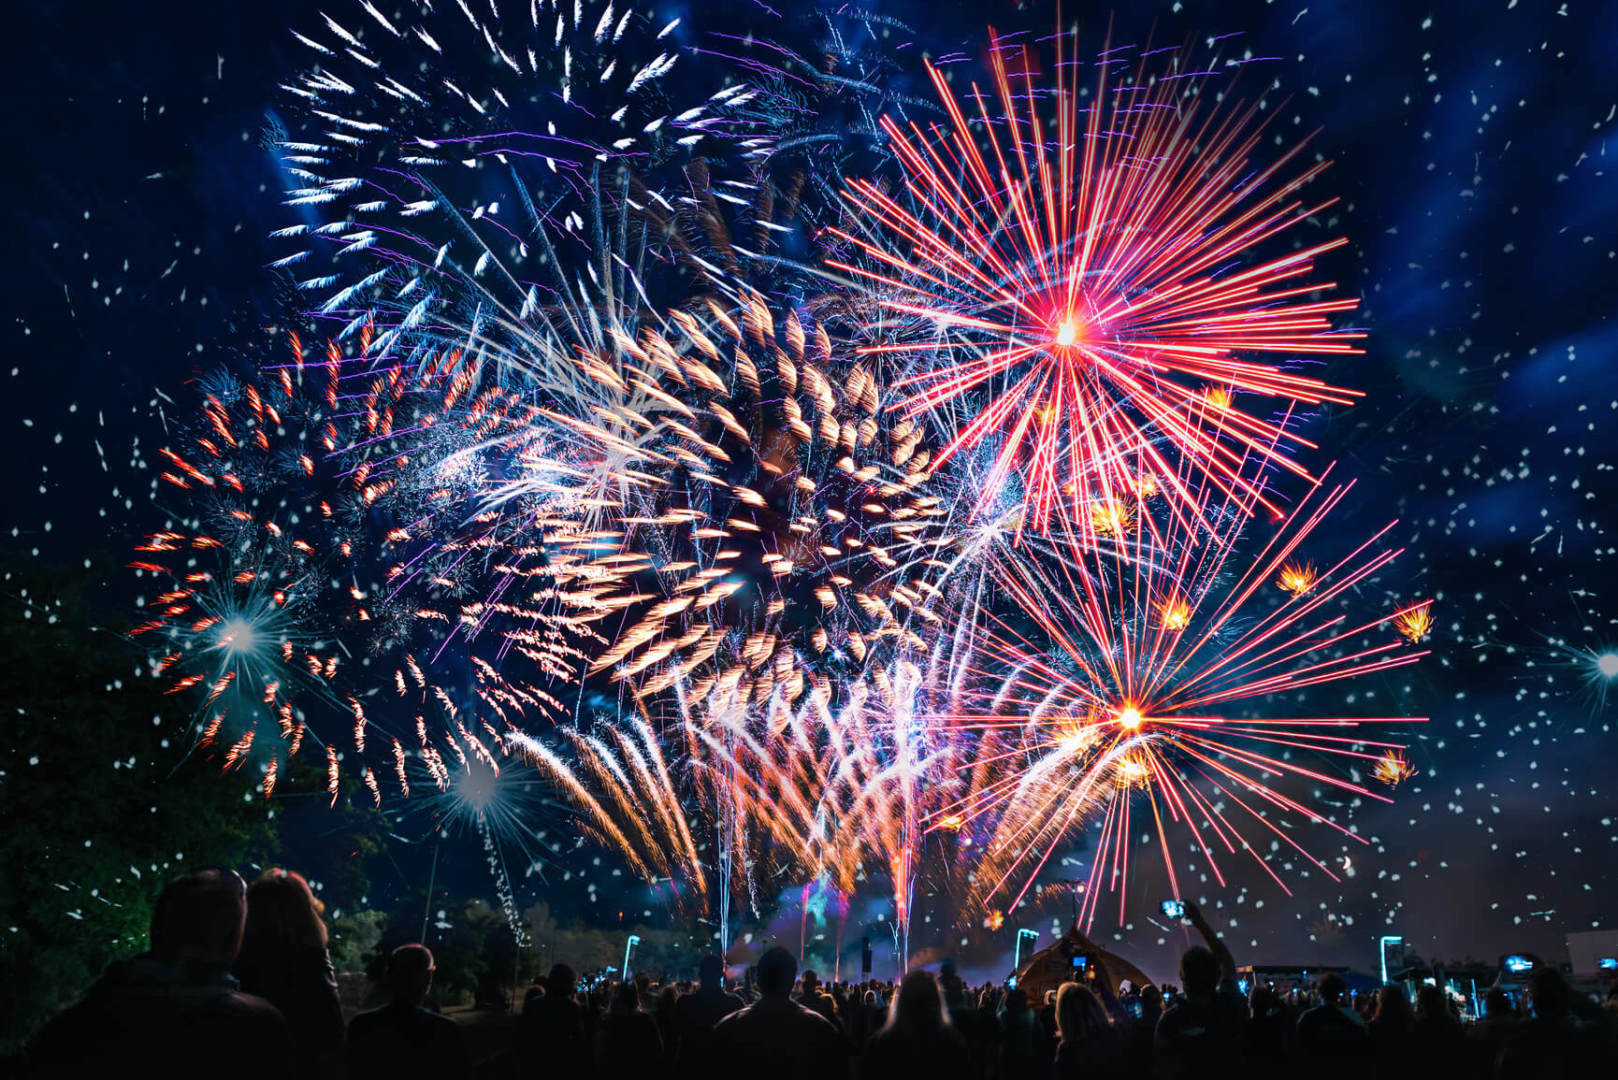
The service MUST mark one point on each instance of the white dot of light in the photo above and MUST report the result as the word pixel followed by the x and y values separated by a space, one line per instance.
pixel 1607 665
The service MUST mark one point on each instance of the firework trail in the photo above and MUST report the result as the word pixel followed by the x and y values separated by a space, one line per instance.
pixel 1080 297
pixel 1113 684
pixel 627 796
pixel 498 800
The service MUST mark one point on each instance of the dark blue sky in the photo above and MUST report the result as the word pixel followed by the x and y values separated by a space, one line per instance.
pixel 1472 156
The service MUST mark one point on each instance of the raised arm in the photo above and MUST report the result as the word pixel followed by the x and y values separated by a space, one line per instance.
pixel 1103 988
pixel 1216 945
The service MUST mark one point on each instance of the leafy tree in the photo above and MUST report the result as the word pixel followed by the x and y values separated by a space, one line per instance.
pixel 355 938
pixel 101 803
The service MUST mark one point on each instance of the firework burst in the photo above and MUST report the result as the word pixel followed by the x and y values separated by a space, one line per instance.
pixel 324 563
pixel 1078 285
pixel 1095 703
pixel 772 522
pixel 448 144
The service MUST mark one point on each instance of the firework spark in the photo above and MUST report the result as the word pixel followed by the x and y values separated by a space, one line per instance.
pixel 1393 768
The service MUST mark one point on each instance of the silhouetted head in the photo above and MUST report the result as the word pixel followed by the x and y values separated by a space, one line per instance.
pixel 1331 987
pixel 1016 1000
pixel 200 917
pixel 1497 1003
pixel 711 970
pixel 1430 1003
pixel 1079 1014
pixel 627 997
pixel 282 912
pixel 1199 970
pixel 917 1006
pixel 1151 1000
pixel 1392 1005
pixel 410 974
pixel 811 980
pixel 561 982
pixel 776 970
pixel 1548 992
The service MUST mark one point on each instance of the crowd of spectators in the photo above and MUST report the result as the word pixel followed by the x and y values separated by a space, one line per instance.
pixel 240 979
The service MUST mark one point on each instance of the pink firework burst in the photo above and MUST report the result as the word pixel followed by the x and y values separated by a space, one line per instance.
pixel 1089 282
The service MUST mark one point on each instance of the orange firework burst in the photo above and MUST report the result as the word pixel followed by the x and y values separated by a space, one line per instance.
pixel 1072 292
pixel 1111 517
pixel 1393 768
pixel 1415 623
pixel 776 514
pixel 1174 614
pixel 1296 578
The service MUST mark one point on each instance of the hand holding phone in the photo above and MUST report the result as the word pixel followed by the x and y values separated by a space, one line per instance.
pixel 1174 909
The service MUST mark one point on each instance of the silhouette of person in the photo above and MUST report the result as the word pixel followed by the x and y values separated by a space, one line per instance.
pixel 628 1045
pixel 918 1039
pixel 1088 1040
pixel 552 1030
pixel 175 1010
pixel 695 1015
pixel 402 1038
pixel 285 962
pixel 1202 1033
pixel 775 1036
pixel 1332 1036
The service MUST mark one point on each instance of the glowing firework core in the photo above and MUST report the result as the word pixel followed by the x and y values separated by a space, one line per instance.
pixel 478 789
pixel 237 636
pixel 1130 718
pixel 1067 333
pixel 1607 664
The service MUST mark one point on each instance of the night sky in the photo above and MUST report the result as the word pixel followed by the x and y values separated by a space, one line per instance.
pixel 1470 144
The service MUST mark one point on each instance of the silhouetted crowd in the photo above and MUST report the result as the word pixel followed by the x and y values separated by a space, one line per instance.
pixel 238 981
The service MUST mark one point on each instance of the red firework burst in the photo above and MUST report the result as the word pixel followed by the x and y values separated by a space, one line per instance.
pixel 1092 291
